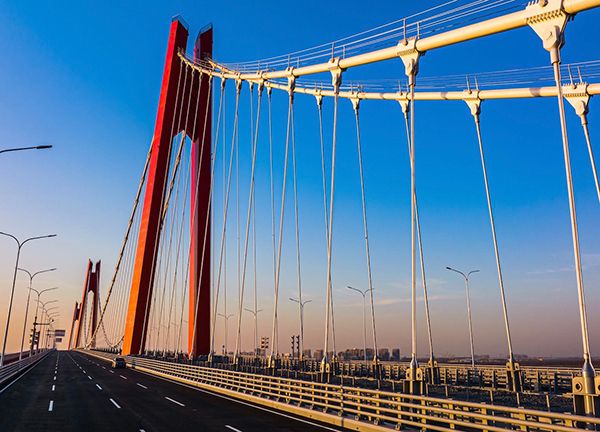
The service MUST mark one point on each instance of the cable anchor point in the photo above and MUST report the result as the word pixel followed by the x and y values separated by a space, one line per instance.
pixel 548 20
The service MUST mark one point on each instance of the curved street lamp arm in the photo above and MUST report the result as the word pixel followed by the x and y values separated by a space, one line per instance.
pixel 457 271
pixel 471 272
pixel 357 290
pixel 38 238
pixel 11 236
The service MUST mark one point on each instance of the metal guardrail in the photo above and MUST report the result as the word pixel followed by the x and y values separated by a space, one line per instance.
pixel 10 370
pixel 361 408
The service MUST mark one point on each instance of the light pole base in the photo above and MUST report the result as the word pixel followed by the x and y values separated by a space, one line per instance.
pixel 514 381
pixel 414 383
pixel 433 372
pixel 586 392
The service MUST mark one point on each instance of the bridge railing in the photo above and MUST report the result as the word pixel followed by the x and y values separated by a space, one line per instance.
pixel 10 370
pixel 344 405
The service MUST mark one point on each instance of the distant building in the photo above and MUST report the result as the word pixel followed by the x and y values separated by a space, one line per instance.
pixel 318 354
pixel 395 354
pixel 383 354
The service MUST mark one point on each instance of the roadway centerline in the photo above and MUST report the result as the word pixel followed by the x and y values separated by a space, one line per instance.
pixel 174 401
pixel 114 403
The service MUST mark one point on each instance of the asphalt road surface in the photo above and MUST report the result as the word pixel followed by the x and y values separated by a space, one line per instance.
pixel 69 391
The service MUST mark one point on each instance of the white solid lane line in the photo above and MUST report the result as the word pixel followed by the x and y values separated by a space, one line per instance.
pixel 114 403
pixel 232 428
pixel 51 405
pixel 99 388
pixel 174 401
pixel 53 387
pixel 142 386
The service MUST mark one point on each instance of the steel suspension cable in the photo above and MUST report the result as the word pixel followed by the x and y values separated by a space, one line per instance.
pixel 136 201
pixel 281 221
pixel 156 247
pixel 193 211
pixel 174 175
pixel 210 193
pixel 476 119
pixel 247 234
pixel 588 368
pixel 588 141
pixel 356 106
pixel 225 212
pixel 325 206
pixel 405 109
pixel 272 193
pixel 336 78
pixel 297 232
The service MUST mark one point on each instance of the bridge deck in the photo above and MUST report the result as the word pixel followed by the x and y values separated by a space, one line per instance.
pixel 85 388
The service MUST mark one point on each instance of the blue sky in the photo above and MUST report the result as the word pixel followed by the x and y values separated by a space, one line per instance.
pixel 86 78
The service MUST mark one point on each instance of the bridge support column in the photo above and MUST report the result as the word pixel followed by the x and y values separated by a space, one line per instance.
pixel 92 278
pixel 200 248
pixel 143 273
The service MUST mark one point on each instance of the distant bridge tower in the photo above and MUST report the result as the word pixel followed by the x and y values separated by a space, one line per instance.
pixel 91 285
pixel 148 241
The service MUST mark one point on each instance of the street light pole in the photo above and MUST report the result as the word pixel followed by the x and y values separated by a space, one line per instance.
pixel 301 306
pixel 364 296
pixel 44 310
pixel 50 319
pixel 226 317
pixel 40 147
pixel 466 277
pixel 255 314
pixel 12 292
pixel 37 306
pixel 31 276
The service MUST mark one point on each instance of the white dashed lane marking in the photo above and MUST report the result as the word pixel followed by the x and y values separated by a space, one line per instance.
pixel 232 428
pixel 114 403
pixel 174 401
pixel 53 387
pixel 123 377
pixel 51 405
pixel 142 386
pixel 99 388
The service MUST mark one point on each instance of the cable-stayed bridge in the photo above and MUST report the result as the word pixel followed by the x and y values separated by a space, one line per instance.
pixel 201 218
